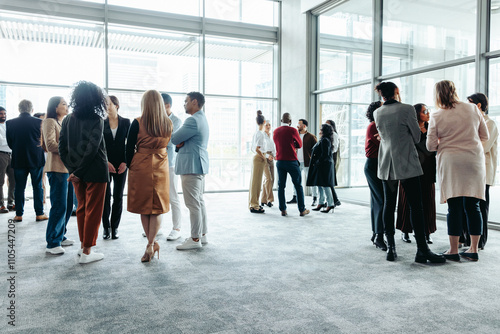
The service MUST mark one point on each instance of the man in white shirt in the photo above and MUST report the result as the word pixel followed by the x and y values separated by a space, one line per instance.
pixel 5 167
pixel 304 156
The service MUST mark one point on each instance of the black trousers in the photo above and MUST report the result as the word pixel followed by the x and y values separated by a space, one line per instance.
pixel 376 195
pixel 485 208
pixel 413 193
pixel 115 211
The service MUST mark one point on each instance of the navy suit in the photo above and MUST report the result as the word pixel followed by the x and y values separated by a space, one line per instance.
pixel 23 137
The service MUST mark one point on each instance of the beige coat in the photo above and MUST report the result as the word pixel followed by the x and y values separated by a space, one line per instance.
pixel 50 143
pixel 490 151
pixel 456 134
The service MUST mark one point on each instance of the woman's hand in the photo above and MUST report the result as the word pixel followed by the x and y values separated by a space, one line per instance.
pixel 122 168
pixel 111 168
pixel 73 178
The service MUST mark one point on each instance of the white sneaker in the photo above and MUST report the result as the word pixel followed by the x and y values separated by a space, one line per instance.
pixel 174 235
pixel 80 251
pixel 204 240
pixel 67 242
pixel 189 243
pixel 55 250
pixel 92 257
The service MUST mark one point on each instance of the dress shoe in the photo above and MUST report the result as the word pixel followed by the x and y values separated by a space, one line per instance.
pixel 18 218
pixel 425 255
pixel 451 257
pixel 337 203
pixel 373 236
pixel 11 207
pixel 73 213
pixel 269 204
pixel 405 237
pixel 55 250
pixel 189 243
pixel 293 200
pixel 428 239
pixel 391 253
pixel 283 213
pixel 41 218
pixel 319 207
pixel 379 242
pixel 106 234
pixel 469 256
pixel 114 233
pixel 92 257
pixel 327 209
pixel 3 209
pixel 259 210
pixel 305 212
pixel 315 199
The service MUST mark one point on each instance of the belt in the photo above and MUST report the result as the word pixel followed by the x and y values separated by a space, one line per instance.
pixel 151 150
pixel 9 153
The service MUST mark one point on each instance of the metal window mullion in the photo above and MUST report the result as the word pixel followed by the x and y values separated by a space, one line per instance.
pixel 313 53
pixel 106 47
pixel 378 24
pixel 482 44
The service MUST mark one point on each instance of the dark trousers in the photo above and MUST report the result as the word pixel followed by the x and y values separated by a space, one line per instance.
pixel 21 175
pixel 118 181
pixel 6 169
pixel 376 195
pixel 89 212
pixel 485 209
pixel 61 201
pixel 290 167
pixel 455 218
pixel 413 193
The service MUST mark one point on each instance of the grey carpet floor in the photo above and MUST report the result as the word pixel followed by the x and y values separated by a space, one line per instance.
pixel 258 274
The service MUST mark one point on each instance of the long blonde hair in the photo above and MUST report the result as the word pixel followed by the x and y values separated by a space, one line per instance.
pixel 154 116
pixel 445 94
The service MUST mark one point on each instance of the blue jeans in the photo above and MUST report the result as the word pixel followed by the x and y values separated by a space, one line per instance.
pixel 21 176
pixel 292 168
pixel 61 201
pixel 325 192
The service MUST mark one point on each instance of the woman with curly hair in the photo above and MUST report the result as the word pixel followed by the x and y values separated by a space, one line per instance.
pixel 259 162
pixel 83 152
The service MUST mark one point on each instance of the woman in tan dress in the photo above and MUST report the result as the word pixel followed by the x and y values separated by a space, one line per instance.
pixel 147 160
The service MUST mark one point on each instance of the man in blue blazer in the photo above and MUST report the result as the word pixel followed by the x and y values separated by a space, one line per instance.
pixel 191 164
pixel 23 137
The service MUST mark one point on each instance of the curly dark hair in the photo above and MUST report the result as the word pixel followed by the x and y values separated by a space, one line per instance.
pixel 371 109
pixel 88 100
pixel 327 131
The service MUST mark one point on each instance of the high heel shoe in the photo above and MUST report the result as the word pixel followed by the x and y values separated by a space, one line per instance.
pixel 405 237
pixel 156 249
pixel 328 208
pixel 148 254
pixel 319 207
pixel 379 242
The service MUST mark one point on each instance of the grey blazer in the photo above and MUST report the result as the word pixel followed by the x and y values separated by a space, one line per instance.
pixel 398 128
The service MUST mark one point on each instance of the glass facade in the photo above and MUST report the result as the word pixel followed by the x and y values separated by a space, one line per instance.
pixel 167 47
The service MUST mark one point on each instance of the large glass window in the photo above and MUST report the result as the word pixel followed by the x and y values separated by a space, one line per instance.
pixel 418 34
pixel 248 11
pixel 186 7
pixel 494 101
pixel 495 25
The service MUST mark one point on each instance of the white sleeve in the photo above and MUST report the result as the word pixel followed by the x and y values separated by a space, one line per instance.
pixel 335 142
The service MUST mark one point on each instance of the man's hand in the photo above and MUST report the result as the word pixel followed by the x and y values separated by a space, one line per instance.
pixel 122 168
pixel 111 168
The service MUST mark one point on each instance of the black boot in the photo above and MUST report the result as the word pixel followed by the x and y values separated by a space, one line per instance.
pixel 293 200
pixel 373 236
pixel 380 243
pixel 391 248
pixel 105 235
pixel 314 200
pixel 114 233
pixel 424 254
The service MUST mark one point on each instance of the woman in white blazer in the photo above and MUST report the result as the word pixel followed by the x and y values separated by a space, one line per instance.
pixel 455 132
pixel 399 131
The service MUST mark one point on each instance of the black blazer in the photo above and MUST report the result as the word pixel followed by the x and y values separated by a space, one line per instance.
pixel 321 168
pixel 24 138
pixel 82 148
pixel 115 148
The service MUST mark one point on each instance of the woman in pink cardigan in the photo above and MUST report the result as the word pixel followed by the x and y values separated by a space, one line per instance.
pixel 455 132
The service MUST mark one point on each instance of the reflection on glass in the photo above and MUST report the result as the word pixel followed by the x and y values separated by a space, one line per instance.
pixel 185 7
pixel 418 36
pixel 248 11
pixel 495 25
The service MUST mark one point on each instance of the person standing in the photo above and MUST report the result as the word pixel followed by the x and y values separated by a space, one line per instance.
pixel 398 161
pixel 490 154
pixel 61 193
pixel 372 144
pixel 175 203
pixel 115 135
pixel 23 137
pixel 147 159
pixel 258 165
pixel 287 140
pixel 267 197
pixel 304 156
pixel 5 167
pixel 83 151
pixel 191 164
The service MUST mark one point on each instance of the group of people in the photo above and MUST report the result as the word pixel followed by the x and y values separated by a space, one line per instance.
pixel 91 150
pixel 296 151
pixel 405 146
